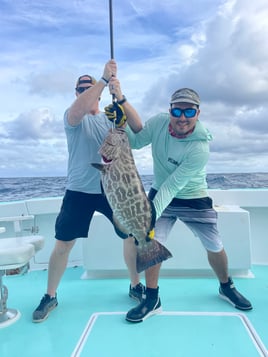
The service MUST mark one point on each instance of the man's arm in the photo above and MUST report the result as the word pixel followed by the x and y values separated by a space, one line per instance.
pixel 175 182
pixel 87 102
pixel 133 118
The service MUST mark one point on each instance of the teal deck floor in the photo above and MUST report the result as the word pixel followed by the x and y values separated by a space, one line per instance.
pixel 90 319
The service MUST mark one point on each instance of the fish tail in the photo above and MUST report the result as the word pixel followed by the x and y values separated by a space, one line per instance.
pixel 153 253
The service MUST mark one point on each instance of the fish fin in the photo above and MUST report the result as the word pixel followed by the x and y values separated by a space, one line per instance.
pixel 98 166
pixel 153 253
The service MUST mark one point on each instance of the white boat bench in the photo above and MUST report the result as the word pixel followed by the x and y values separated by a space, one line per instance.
pixel 103 257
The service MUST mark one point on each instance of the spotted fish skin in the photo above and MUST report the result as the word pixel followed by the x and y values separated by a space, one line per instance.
pixel 133 213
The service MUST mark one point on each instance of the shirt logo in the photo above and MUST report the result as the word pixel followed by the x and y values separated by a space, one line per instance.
pixel 172 161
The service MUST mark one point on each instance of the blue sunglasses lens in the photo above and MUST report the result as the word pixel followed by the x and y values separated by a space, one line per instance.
pixel 188 112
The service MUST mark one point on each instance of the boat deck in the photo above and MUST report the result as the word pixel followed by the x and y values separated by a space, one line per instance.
pixel 90 319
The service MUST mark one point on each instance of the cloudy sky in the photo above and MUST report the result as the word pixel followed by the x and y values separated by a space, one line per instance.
pixel 217 47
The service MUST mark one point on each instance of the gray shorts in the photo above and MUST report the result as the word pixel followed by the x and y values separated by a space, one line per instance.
pixel 198 215
pixel 203 224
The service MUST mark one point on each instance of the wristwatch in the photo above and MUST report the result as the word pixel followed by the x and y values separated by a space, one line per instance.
pixel 122 100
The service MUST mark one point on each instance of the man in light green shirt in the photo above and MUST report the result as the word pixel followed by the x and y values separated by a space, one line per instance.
pixel 180 151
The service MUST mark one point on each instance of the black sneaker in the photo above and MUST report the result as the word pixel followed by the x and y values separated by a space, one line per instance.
pixel 145 309
pixel 229 293
pixel 137 292
pixel 46 305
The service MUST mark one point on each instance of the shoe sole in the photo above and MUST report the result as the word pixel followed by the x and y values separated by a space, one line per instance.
pixel 223 297
pixel 151 313
pixel 46 316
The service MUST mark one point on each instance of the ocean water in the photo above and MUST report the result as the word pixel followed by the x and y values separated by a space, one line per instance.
pixel 23 188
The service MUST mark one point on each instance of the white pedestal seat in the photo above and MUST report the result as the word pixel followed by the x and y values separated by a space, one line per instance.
pixel 14 253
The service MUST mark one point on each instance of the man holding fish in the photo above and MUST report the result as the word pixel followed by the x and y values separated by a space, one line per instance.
pixel 86 127
pixel 180 151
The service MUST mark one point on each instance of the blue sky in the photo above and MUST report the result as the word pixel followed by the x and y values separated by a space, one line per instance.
pixel 217 47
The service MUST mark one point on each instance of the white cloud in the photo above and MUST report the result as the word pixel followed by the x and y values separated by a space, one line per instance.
pixel 37 124
pixel 217 47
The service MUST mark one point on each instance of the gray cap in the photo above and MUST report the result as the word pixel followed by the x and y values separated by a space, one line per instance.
pixel 185 95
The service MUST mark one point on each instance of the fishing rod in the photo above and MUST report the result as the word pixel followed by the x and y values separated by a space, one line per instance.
pixel 112 47
pixel 111 28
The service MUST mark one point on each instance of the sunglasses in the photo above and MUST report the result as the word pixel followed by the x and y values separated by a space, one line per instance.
pixel 82 89
pixel 188 112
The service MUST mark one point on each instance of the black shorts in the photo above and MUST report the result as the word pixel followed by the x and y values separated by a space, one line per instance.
pixel 76 214
pixel 196 203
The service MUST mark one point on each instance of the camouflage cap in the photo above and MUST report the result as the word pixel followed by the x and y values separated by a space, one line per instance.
pixel 185 95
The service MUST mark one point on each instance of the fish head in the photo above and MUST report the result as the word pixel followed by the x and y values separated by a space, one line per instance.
pixel 115 142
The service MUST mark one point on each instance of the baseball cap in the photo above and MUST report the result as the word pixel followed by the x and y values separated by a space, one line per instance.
pixel 89 79
pixel 185 95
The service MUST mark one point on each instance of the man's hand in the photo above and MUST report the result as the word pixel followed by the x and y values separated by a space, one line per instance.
pixel 116 114
pixel 110 70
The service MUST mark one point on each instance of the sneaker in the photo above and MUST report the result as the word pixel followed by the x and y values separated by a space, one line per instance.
pixel 145 309
pixel 46 305
pixel 230 294
pixel 137 292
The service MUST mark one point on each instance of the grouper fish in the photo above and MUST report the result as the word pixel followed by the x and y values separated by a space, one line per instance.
pixel 133 213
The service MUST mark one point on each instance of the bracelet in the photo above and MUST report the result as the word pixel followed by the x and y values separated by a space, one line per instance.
pixel 122 101
pixel 104 81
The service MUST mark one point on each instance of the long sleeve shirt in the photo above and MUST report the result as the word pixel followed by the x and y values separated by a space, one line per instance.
pixel 179 165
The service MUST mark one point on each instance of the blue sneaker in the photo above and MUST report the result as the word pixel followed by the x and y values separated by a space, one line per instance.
pixel 145 309
pixel 229 293
pixel 136 292
pixel 46 305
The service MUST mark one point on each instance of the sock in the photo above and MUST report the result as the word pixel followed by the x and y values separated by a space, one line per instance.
pixel 134 286
pixel 152 293
pixel 51 297
pixel 228 284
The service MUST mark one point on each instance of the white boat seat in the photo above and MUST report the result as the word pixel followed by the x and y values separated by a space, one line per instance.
pixel 15 253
